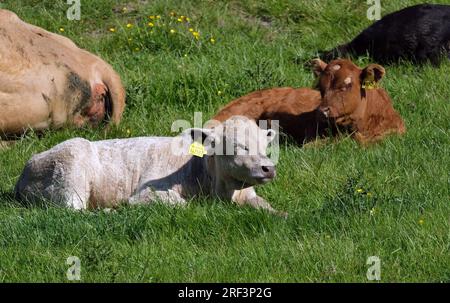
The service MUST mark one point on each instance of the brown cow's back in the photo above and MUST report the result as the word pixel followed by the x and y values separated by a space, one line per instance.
pixel 294 108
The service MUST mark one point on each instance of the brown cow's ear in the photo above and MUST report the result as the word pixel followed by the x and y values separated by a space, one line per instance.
pixel 318 66
pixel 372 74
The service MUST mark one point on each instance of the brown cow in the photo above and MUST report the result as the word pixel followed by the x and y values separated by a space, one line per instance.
pixel 294 108
pixel 46 81
pixel 351 98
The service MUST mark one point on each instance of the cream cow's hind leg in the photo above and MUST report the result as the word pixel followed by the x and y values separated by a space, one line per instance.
pixel 71 191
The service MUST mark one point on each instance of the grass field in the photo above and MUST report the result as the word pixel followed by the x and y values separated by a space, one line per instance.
pixel 346 202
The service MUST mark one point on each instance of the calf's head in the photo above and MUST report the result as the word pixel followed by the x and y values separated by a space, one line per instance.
pixel 237 148
pixel 342 85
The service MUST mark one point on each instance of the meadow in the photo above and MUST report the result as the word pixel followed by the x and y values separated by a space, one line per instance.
pixel 345 202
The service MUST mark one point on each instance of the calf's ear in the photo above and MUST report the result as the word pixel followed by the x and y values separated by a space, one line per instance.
pixel 318 66
pixel 205 136
pixel 271 134
pixel 372 73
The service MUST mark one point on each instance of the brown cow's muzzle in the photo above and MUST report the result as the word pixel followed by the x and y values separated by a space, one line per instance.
pixel 320 115
pixel 326 113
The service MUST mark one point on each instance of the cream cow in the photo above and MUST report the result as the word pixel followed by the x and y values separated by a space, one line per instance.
pixel 46 81
pixel 82 174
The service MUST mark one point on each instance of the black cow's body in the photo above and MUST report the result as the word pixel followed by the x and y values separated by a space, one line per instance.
pixel 417 33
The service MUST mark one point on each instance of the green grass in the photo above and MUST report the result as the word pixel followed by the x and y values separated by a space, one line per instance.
pixel 332 228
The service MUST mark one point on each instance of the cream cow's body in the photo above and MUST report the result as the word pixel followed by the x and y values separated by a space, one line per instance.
pixel 82 174
pixel 46 81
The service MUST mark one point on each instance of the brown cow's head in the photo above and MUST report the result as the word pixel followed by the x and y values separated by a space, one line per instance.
pixel 342 85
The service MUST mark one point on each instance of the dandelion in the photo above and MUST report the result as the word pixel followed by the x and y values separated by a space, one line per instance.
pixel 61 29
pixel 124 9
pixel 173 14
pixel 152 17
pixel 128 131
pixel 188 19
pixel 112 29
pixel 359 190
pixel 421 221
pixel 129 39
pixel 196 35
pixel 180 20
pixel 137 49
pixel 158 17
pixel 212 40
pixel 369 195
pixel 151 24
pixel 172 31
pixel 185 55
pixel 191 29
pixel 129 25
pixel 219 92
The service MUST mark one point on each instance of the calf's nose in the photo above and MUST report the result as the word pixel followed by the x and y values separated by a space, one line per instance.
pixel 269 171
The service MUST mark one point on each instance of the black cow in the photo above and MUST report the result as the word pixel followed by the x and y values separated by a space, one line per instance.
pixel 418 33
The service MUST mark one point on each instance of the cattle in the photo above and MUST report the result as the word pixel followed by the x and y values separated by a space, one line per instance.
pixel 293 108
pixel 81 174
pixel 418 33
pixel 352 99
pixel 46 81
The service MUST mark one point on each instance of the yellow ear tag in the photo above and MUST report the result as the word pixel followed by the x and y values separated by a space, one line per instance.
pixel 197 149
pixel 370 85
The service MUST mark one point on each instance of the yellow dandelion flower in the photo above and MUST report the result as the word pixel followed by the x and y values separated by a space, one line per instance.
pixel 61 29
pixel 173 14
pixel 369 195
pixel 129 25
pixel 112 29
pixel 359 190
pixel 421 221
pixel 212 40
pixel 158 17
pixel 151 17
pixel 188 19
pixel 172 31
pixel 128 131
pixel 191 29
pixel 219 92
pixel 124 9
pixel 180 20
pixel 196 35
pixel 137 49
pixel 151 24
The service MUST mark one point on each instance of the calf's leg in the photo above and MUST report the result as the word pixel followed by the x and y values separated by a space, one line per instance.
pixel 249 197
pixel 149 195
